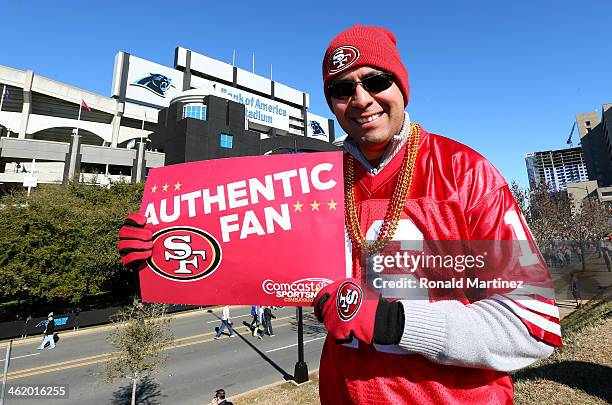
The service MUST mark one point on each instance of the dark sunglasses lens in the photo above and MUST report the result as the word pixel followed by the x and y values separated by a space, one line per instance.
pixel 342 89
pixel 377 83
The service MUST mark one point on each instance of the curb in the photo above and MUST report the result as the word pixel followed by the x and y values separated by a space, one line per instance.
pixel 238 397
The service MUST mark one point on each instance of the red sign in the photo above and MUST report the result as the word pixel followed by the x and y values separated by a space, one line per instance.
pixel 266 230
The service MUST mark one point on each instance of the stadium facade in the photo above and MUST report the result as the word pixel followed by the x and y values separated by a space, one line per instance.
pixel 51 132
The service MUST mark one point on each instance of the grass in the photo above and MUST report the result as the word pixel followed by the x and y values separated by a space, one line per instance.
pixel 284 393
pixel 579 373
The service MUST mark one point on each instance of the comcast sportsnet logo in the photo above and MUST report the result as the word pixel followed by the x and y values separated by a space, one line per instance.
pixel 183 253
pixel 304 290
pixel 342 58
pixel 348 300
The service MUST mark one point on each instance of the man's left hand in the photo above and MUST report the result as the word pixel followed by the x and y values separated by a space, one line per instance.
pixel 343 308
pixel 349 310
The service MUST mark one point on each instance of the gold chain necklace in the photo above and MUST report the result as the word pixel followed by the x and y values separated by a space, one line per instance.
pixel 396 204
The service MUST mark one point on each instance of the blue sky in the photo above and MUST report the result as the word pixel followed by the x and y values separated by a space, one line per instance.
pixel 505 78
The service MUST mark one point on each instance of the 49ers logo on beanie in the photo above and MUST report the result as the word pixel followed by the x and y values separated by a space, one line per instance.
pixel 183 253
pixel 342 58
pixel 348 300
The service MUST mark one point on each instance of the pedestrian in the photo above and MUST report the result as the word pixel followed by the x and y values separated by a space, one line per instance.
pixel 253 324
pixel 575 288
pixel 261 323
pixel 403 183
pixel 606 252
pixel 219 398
pixel 49 333
pixel 268 315
pixel 226 322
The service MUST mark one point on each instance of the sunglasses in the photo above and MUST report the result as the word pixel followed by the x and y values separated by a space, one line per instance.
pixel 374 84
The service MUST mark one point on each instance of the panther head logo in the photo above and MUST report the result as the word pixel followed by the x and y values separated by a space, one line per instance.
pixel 316 128
pixel 155 82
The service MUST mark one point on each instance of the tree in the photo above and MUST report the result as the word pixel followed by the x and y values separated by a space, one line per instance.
pixel 59 244
pixel 552 218
pixel 140 334
pixel 590 222
pixel 521 196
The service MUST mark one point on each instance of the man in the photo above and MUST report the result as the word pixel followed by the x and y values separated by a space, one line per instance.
pixel 225 323
pixel 49 333
pixel 254 309
pixel 268 315
pixel 219 398
pixel 403 183
pixel 575 288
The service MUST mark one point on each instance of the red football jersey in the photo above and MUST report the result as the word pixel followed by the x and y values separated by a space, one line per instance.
pixel 456 194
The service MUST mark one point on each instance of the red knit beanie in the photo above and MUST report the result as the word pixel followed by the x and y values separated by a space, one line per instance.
pixel 364 46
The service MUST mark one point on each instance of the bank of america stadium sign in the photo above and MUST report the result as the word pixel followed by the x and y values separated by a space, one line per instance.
pixel 257 109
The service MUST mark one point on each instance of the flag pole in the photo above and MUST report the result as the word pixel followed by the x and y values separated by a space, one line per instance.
pixel 79 118
pixel 143 122
pixel 2 99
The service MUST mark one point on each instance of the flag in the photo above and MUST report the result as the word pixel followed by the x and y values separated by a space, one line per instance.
pixel 84 104
pixel 6 93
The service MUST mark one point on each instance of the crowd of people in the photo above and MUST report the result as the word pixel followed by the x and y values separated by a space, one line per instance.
pixel 560 254
pixel 261 323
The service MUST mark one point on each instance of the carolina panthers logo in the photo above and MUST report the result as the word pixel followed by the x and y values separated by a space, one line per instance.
pixel 155 82
pixel 316 128
pixel 348 300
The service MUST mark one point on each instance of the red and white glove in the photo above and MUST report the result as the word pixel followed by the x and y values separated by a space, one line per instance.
pixel 135 243
pixel 348 310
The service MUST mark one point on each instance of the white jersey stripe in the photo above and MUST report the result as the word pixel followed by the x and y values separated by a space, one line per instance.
pixel 534 318
pixel 548 293
pixel 535 305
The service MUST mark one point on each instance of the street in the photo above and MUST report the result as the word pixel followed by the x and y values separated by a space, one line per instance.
pixel 197 364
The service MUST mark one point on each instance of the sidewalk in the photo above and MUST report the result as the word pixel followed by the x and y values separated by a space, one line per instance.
pixel 99 328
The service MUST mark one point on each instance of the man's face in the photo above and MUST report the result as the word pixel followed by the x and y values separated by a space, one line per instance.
pixel 370 119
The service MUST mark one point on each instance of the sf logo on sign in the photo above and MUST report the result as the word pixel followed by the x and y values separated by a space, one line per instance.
pixel 183 253
pixel 348 300
pixel 178 248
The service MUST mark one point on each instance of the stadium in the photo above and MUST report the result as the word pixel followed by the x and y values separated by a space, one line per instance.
pixel 200 108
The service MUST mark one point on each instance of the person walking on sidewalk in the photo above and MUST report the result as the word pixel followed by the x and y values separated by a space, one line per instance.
pixel 49 333
pixel 254 321
pixel 260 327
pixel 267 312
pixel 225 323
pixel 575 287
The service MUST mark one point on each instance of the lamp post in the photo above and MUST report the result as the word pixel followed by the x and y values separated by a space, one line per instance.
pixel 300 374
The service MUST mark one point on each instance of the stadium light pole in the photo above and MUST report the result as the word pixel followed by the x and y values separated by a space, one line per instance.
pixel 300 372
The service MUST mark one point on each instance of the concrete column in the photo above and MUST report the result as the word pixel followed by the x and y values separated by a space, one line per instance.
pixel 73 158
pixel 27 103
pixel 138 167
pixel 116 123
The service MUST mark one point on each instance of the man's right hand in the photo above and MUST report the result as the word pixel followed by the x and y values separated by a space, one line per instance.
pixel 135 243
